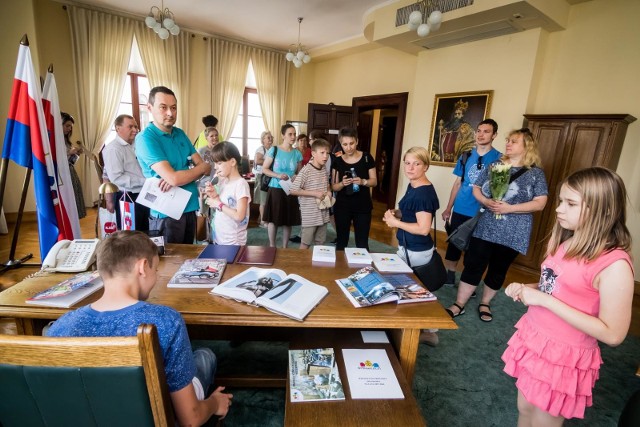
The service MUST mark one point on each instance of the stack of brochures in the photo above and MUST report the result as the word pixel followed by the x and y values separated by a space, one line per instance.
pixel 69 292
pixel 390 263
pixel 371 374
pixel 367 287
pixel 313 375
pixel 324 255
pixel 198 273
pixel 357 257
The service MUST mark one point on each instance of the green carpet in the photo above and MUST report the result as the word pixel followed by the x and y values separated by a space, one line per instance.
pixel 458 383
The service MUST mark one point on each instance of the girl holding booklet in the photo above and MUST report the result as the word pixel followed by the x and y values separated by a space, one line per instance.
pixel 231 199
pixel 413 219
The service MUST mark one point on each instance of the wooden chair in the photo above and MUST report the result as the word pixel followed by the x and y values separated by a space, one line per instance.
pixel 115 381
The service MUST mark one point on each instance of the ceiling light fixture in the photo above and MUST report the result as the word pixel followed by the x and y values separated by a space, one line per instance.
pixel 418 17
pixel 298 53
pixel 162 21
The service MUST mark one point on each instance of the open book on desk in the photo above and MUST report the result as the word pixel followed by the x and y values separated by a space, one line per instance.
pixel 289 295
pixel 367 287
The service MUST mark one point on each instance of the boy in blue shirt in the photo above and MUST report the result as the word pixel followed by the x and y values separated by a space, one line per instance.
pixel 128 263
pixel 462 205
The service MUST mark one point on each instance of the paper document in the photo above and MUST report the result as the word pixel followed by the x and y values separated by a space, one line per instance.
pixel 374 336
pixel 286 185
pixel 371 375
pixel 170 203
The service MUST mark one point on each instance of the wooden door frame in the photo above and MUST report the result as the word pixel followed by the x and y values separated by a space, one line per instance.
pixel 397 101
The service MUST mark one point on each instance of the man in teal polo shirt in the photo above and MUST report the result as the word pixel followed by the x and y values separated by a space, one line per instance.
pixel 164 151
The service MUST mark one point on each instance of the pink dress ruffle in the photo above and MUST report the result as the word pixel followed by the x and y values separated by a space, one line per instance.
pixel 552 375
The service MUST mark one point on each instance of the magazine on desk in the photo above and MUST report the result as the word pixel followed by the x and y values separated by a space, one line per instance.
pixel 367 287
pixel 201 273
pixel 289 295
pixel 313 375
pixel 67 293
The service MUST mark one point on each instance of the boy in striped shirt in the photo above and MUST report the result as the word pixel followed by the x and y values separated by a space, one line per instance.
pixel 311 186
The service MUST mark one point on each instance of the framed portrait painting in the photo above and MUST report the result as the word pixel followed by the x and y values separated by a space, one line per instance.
pixel 453 125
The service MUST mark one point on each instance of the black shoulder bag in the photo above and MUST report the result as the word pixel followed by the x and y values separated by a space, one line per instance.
pixel 432 274
pixel 264 183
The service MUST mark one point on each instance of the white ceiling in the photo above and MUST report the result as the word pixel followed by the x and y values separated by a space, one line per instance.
pixel 272 23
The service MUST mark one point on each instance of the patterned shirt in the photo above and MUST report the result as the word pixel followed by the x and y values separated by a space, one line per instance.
pixel 512 230
pixel 311 179
pixel 465 203
pixel 228 231
pixel 285 162
pixel 172 332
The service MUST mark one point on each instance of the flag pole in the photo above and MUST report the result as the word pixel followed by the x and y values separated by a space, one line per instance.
pixel 15 263
pixel 11 262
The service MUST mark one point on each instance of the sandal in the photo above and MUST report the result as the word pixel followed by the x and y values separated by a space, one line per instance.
pixel 459 313
pixel 484 315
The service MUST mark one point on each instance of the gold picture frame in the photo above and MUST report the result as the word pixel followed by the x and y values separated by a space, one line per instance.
pixel 453 125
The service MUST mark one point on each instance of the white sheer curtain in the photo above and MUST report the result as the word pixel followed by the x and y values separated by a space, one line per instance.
pixel 227 64
pixel 272 78
pixel 101 46
pixel 166 63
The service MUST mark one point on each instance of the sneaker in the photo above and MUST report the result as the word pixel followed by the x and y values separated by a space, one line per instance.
pixel 334 241
pixel 263 225
pixel 295 239
pixel 474 294
pixel 206 364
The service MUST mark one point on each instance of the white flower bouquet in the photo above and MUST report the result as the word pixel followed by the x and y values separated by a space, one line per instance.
pixel 499 176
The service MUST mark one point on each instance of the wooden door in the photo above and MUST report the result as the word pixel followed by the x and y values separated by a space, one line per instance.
pixel 568 143
pixel 329 118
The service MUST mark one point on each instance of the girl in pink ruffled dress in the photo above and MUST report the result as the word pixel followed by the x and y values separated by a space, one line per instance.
pixel 584 295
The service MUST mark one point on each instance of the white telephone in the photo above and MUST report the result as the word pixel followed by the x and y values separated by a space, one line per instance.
pixel 71 256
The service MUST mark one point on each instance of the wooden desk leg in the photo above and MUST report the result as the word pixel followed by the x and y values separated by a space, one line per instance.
pixel 406 343
pixel 25 326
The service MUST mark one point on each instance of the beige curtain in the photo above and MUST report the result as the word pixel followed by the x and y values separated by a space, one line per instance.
pixel 272 76
pixel 227 64
pixel 101 46
pixel 166 63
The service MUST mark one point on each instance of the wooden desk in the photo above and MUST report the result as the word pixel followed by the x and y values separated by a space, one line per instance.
pixel 199 308
pixel 350 412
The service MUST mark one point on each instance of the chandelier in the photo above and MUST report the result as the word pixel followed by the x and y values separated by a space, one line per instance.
pixel 298 53
pixel 162 21
pixel 426 19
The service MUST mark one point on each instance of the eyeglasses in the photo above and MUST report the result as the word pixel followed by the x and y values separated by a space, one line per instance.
pixel 479 164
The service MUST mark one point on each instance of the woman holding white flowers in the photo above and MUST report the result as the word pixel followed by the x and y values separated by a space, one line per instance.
pixel 504 228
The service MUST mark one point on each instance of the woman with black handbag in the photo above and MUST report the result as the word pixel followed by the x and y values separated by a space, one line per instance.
pixel 414 216
pixel 504 228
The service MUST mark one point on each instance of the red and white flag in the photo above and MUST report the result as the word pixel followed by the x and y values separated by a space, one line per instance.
pixel 26 143
pixel 66 210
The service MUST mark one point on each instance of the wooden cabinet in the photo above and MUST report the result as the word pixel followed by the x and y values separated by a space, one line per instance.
pixel 569 142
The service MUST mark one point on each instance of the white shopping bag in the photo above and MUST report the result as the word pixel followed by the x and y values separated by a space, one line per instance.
pixel 107 222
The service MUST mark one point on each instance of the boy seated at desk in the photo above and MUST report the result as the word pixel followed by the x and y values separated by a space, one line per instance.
pixel 128 263
pixel 312 188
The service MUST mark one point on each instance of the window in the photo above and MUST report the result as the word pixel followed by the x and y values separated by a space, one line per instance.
pixel 134 98
pixel 249 124
pixel 135 93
